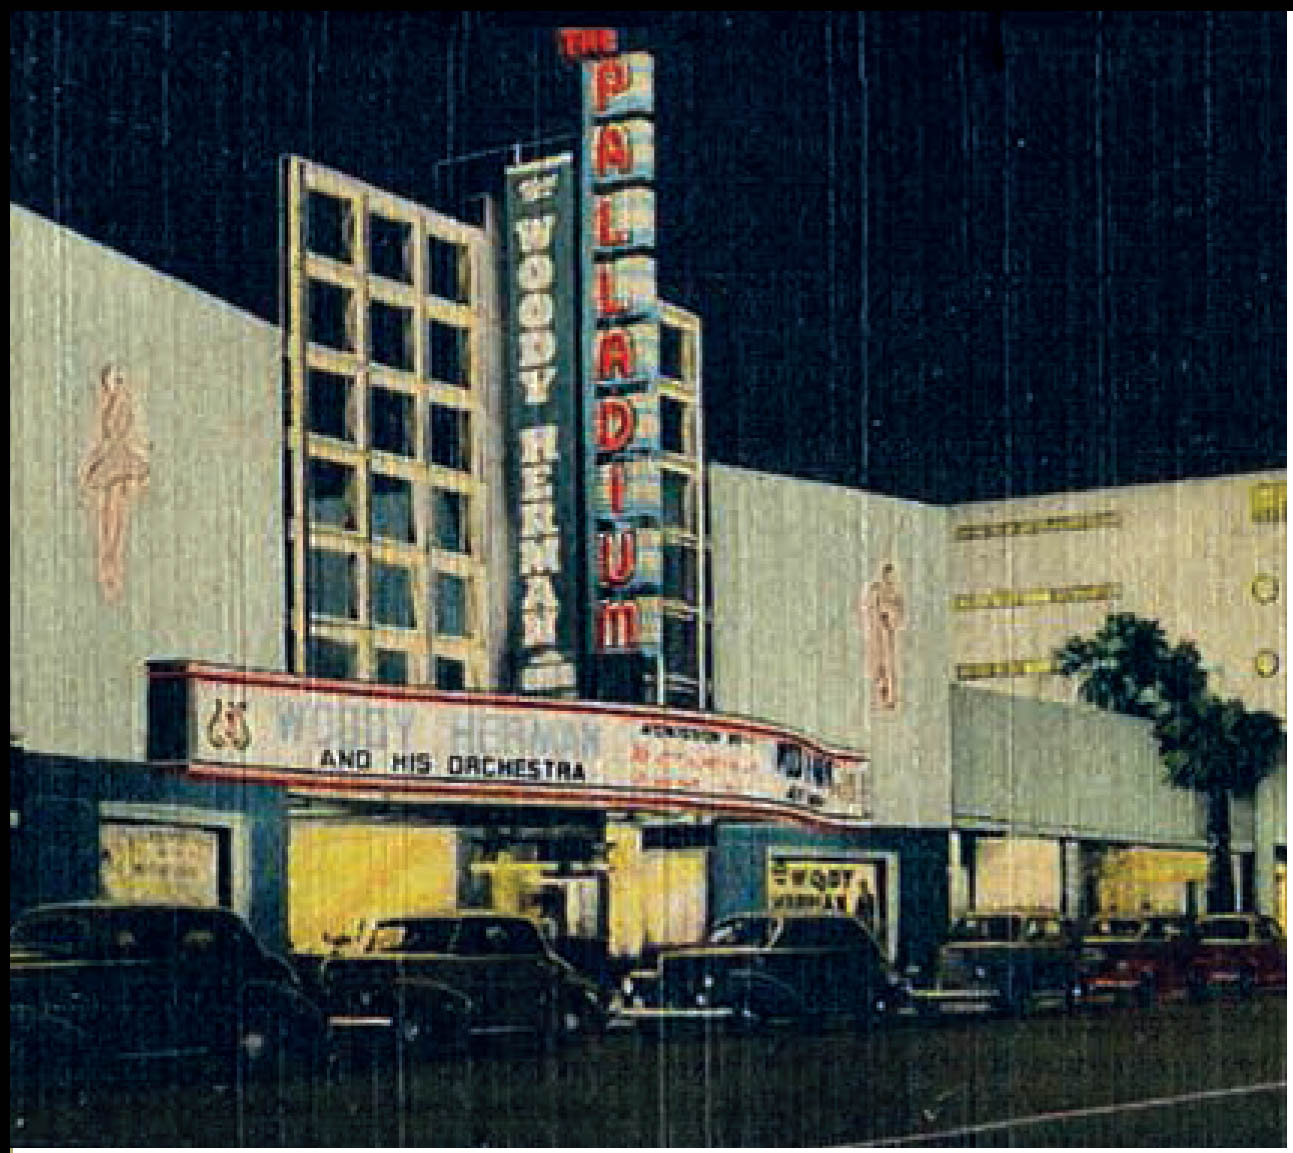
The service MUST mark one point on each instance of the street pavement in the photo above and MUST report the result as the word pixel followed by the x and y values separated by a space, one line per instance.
pixel 1179 1075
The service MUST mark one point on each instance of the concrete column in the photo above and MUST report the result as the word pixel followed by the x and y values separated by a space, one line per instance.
pixel 1071 871
pixel 958 881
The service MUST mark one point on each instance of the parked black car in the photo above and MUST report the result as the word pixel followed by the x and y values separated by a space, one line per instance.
pixel 97 989
pixel 762 968
pixel 429 983
pixel 1008 960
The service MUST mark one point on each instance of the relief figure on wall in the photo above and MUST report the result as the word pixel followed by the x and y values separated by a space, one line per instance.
pixel 113 475
pixel 882 617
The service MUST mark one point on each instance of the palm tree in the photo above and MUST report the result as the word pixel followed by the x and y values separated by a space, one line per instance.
pixel 1215 747
pixel 1128 667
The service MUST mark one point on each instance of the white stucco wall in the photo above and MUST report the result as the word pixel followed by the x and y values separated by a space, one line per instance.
pixel 792 560
pixel 204 555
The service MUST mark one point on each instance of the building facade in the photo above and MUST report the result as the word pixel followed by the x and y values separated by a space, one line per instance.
pixel 146 518
pixel 264 593
pixel 1206 558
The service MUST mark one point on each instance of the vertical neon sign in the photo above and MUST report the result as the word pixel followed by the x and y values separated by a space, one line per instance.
pixel 544 474
pixel 621 357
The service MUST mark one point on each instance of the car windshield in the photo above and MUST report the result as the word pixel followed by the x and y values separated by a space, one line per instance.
pixel 755 931
pixel 991 927
pixel 65 934
pixel 123 934
pixel 1224 929
pixel 413 935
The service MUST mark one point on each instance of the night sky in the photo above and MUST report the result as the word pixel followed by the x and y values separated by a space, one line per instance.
pixel 945 256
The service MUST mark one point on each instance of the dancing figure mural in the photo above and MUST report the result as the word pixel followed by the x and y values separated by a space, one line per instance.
pixel 113 475
pixel 882 617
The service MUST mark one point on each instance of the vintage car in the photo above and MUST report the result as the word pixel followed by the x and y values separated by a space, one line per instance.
pixel 98 989
pixel 432 983
pixel 1237 952
pixel 1143 958
pixel 1009 960
pixel 758 969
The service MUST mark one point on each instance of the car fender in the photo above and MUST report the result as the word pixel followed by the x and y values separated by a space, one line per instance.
pixel 773 996
pixel 425 993
pixel 45 1047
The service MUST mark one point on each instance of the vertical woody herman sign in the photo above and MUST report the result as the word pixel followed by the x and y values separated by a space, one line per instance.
pixel 546 458
pixel 621 355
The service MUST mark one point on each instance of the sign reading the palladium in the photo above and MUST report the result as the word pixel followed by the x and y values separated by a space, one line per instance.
pixel 332 736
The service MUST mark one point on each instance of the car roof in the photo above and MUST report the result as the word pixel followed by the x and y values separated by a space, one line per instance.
pixel 104 905
pixel 1015 911
pixel 443 915
pixel 788 915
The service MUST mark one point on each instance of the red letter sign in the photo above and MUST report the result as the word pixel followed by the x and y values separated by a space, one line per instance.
pixel 616 423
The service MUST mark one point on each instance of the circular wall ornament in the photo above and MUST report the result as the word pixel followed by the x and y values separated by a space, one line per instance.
pixel 1266 662
pixel 1265 588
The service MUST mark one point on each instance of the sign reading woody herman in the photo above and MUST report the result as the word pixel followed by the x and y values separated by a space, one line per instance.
pixel 328 736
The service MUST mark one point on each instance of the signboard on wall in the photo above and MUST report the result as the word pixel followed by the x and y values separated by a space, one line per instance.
pixel 154 862
pixel 544 457
pixel 477 748
pixel 621 354
pixel 825 884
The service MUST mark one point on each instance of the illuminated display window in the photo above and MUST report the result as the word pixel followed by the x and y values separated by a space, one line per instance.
pixel 1266 663
pixel 330 404
pixel 448 270
pixel 390 248
pixel 329 658
pixel 451 605
pixel 390 335
pixel 333 588
pixel 447 353
pixel 449 518
pixel 332 494
pixel 331 318
pixel 449 437
pixel 330 227
pixel 391 508
pixel 391 596
pixel 391 422
pixel 392 666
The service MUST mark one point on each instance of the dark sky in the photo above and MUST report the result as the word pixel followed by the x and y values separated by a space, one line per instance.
pixel 946 256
